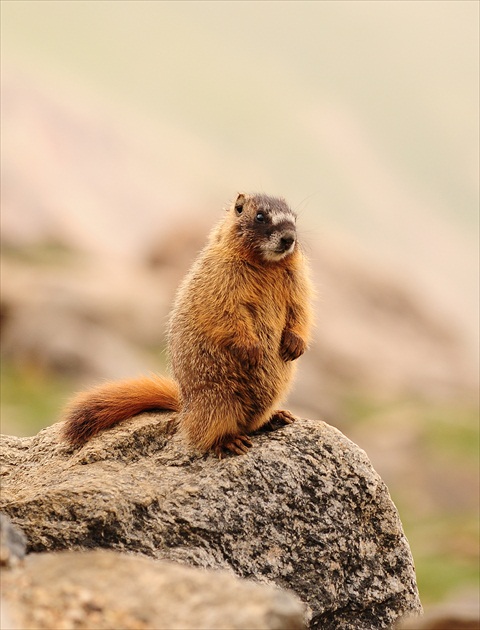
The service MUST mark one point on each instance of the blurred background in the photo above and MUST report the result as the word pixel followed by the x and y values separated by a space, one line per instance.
pixel 128 126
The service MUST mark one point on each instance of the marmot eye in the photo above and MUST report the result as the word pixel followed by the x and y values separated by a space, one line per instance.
pixel 260 217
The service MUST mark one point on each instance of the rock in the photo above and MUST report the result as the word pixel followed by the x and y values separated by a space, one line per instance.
pixel 303 510
pixel 106 589
pixel 52 318
pixel 459 612
pixel 12 543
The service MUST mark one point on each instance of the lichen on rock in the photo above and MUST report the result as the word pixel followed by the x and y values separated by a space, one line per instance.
pixel 303 510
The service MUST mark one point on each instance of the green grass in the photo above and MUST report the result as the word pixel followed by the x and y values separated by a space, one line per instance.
pixel 439 575
pixel 442 522
pixel 445 550
pixel 454 432
pixel 42 253
pixel 30 399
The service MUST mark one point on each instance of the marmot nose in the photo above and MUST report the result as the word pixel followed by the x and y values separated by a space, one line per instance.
pixel 287 239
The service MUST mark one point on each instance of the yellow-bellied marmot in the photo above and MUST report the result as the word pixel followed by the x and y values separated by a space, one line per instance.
pixel 242 315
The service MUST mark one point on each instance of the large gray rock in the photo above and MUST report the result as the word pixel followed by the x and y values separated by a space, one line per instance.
pixel 106 589
pixel 303 510
pixel 12 543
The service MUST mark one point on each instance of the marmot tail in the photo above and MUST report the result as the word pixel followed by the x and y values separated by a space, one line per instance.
pixel 101 407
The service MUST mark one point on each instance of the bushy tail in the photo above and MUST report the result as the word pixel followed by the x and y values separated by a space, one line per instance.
pixel 103 406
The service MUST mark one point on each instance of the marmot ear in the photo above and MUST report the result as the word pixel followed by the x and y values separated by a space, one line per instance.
pixel 240 202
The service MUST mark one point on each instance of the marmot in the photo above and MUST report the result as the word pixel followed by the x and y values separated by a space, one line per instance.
pixel 242 315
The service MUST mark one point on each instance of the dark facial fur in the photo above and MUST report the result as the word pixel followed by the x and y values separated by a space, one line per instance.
pixel 267 224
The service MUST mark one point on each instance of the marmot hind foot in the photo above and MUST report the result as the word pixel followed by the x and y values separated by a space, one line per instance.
pixel 238 445
pixel 278 419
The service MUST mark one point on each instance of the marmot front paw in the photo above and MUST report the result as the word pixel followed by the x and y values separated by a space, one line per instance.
pixel 292 346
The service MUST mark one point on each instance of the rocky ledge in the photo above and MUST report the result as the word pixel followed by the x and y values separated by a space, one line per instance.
pixel 304 511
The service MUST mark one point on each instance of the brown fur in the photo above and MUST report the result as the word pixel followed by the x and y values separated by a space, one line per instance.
pixel 103 406
pixel 241 317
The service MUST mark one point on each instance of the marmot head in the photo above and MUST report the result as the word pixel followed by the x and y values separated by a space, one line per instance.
pixel 266 224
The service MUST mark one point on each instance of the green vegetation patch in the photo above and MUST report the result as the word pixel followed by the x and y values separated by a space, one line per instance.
pixel 31 399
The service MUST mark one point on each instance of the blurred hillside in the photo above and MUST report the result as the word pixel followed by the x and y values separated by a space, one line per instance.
pixel 364 113
pixel 127 126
